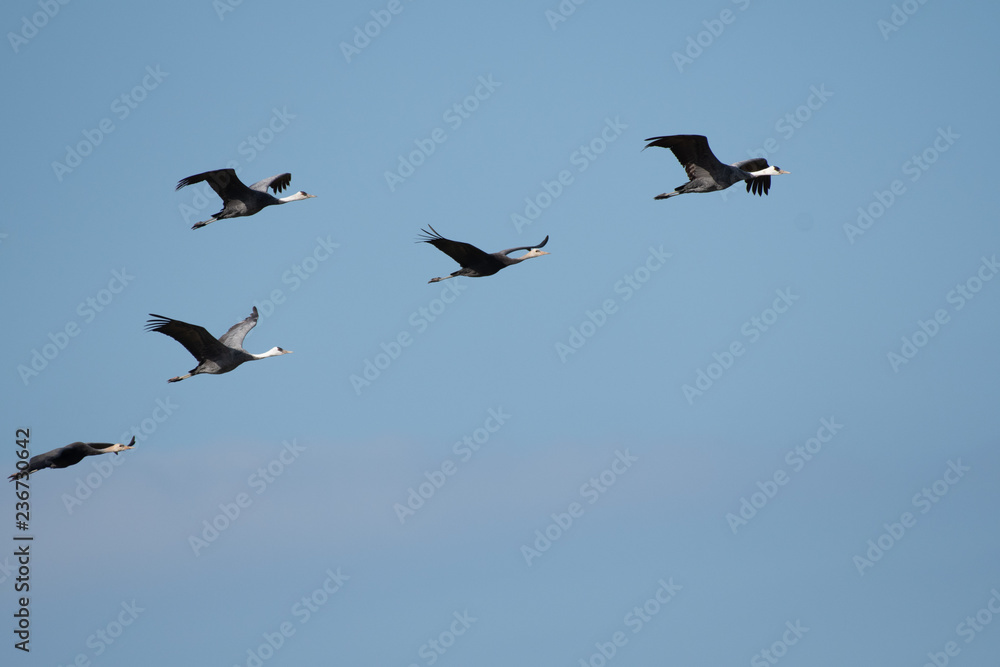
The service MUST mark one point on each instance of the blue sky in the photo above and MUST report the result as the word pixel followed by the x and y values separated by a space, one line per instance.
pixel 717 429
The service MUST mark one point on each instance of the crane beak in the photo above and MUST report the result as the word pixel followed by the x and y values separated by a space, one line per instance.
pixel 782 171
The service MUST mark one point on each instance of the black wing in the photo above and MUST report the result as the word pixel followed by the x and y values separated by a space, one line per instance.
pixel 760 185
pixel 225 182
pixel 692 151
pixel 195 339
pixel 276 183
pixel 465 254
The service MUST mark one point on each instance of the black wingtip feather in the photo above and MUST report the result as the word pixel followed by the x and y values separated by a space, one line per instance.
pixel 157 322
pixel 429 236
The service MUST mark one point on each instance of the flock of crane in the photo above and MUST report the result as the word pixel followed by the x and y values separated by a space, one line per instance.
pixel 221 355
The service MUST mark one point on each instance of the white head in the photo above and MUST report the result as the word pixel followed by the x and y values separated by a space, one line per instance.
pixel 296 197
pixel 273 352
pixel 534 252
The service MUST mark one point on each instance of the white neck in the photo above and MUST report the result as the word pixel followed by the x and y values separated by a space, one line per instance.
pixel 296 197
pixel 273 352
